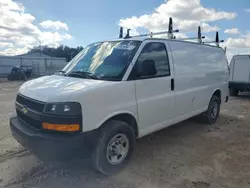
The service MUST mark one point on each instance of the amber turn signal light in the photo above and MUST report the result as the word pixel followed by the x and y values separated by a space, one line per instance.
pixel 61 127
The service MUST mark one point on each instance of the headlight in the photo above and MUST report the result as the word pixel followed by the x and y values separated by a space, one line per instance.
pixel 68 108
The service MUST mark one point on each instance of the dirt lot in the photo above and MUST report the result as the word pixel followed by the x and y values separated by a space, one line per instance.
pixel 187 155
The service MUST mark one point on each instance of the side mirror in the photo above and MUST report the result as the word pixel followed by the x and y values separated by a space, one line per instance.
pixel 147 68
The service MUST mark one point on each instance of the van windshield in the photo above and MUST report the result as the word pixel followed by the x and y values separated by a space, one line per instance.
pixel 104 61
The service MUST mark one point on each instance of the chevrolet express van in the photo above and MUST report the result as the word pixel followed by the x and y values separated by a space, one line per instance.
pixel 114 92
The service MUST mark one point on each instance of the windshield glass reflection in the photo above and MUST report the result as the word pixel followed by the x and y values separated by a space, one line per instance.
pixel 104 61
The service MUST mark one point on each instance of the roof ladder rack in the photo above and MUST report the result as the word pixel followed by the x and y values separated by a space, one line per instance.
pixel 169 32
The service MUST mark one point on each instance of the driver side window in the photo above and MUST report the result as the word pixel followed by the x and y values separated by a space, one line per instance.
pixel 152 62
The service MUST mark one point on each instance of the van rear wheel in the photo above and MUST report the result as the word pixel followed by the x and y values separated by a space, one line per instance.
pixel 114 147
pixel 212 113
pixel 233 92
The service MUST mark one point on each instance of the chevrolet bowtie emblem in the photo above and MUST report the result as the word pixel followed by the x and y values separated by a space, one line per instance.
pixel 24 110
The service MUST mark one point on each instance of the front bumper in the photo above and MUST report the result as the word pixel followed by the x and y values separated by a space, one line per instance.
pixel 50 146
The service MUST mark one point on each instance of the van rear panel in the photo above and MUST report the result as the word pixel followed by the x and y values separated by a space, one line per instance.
pixel 240 69
pixel 200 70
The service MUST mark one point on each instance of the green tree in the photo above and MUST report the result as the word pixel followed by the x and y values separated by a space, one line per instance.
pixel 60 51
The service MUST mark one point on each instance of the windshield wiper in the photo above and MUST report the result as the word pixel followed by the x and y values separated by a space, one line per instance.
pixel 60 72
pixel 82 74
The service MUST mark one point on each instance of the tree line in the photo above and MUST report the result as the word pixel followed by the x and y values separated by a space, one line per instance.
pixel 61 51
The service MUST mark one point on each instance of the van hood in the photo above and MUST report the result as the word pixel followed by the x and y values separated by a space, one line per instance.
pixel 55 88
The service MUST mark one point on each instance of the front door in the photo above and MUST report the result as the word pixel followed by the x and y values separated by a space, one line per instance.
pixel 154 92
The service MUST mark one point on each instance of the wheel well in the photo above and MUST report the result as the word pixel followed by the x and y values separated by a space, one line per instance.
pixel 217 93
pixel 127 118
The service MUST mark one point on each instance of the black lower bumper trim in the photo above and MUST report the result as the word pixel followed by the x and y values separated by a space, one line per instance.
pixel 51 145
pixel 239 86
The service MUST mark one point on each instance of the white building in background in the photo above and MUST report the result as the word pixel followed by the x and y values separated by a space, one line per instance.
pixel 41 64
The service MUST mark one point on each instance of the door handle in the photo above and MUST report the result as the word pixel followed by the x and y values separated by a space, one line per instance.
pixel 172 84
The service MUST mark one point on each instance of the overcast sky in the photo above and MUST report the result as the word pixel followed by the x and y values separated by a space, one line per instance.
pixel 28 23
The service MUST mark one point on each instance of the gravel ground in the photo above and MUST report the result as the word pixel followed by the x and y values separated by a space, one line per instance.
pixel 187 155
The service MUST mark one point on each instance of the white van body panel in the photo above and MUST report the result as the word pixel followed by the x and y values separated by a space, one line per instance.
pixel 155 100
pixel 105 101
pixel 55 88
pixel 199 71
pixel 240 69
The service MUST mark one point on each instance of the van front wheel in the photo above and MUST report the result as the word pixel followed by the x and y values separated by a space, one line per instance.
pixel 212 113
pixel 114 147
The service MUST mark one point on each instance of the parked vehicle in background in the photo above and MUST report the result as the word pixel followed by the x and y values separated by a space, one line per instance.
pixel 113 92
pixel 18 73
pixel 239 74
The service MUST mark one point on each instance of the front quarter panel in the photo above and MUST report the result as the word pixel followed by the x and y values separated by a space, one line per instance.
pixel 105 101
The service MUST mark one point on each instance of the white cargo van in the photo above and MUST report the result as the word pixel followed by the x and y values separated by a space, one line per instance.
pixel 113 92
pixel 239 74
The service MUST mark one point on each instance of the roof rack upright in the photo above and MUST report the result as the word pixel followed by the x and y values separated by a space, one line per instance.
pixel 217 41
pixel 121 33
pixel 127 35
pixel 198 38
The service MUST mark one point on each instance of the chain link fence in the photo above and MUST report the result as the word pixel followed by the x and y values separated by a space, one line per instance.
pixel 39 66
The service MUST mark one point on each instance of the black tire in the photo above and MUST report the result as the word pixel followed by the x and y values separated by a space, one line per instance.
pixel 100 152
pixel 23 76
pixel 233 92
pixel 9 78
pixel 210 116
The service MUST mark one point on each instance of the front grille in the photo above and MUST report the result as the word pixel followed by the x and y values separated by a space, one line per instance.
pixel 28 120
pixel 30 103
